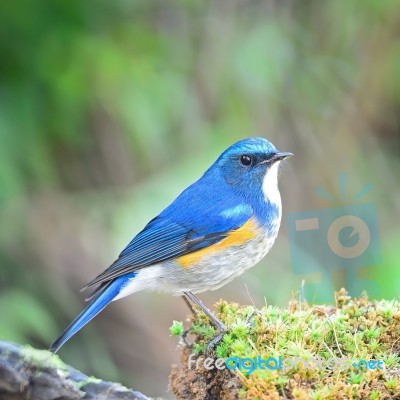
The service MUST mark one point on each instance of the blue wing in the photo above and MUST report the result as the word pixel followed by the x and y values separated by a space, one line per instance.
pixel 202 215
pixel 160 240
pixel 193 221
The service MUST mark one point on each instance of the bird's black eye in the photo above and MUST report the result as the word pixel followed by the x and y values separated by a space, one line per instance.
pixel 246 160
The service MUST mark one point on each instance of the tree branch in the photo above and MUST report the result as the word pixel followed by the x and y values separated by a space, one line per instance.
pixel 30 374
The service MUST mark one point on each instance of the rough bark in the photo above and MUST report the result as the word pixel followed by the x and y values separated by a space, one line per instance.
pixel 29 374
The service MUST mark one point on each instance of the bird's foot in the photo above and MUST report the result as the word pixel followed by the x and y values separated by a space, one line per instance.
pixel 222 329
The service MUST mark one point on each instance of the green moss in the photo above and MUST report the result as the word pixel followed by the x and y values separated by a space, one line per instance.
pixel 177 328
pixel 356 329
pixel 90 379
pixel 42 359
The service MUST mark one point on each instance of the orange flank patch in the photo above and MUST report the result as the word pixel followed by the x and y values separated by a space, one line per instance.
pixel 234 238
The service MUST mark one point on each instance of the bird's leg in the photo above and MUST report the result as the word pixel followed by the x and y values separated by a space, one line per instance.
pixel 188 304
pixel 186 331
pixel 215 321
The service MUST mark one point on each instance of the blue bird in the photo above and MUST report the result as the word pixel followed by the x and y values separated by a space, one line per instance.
pixel 216 229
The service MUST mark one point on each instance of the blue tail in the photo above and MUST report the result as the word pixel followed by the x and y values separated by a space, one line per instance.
pixel 110 291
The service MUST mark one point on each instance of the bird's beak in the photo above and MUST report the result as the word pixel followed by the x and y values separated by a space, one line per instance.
pixel 280 155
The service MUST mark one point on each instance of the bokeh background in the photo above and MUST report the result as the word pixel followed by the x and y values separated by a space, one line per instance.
pixel 108 109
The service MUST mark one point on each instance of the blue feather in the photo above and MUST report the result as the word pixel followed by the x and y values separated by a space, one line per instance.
pixel 221 201
pixel 98 304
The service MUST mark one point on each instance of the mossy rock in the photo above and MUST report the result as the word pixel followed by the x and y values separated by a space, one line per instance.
pixel 347 333
pixel 31 374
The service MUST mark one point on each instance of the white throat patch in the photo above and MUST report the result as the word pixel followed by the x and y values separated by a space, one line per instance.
pixel 270 185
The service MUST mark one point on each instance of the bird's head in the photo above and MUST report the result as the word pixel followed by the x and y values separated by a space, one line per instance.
pixel 252 165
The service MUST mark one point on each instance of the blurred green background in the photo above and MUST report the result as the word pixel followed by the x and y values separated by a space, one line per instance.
pixel 108 109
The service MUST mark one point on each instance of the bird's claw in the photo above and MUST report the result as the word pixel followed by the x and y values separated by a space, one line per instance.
pixel 222 329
